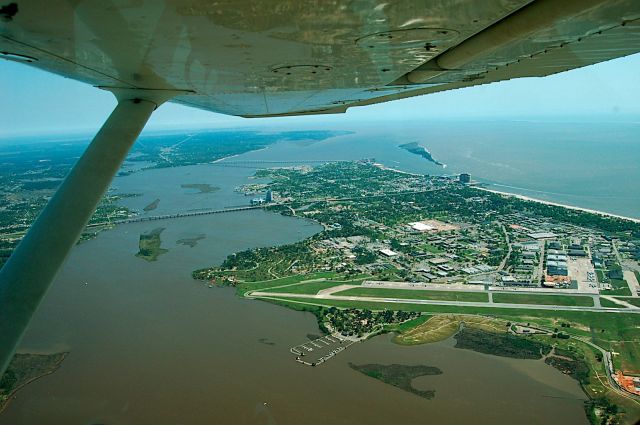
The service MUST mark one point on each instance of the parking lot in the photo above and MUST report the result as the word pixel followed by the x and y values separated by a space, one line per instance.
pixel 581 270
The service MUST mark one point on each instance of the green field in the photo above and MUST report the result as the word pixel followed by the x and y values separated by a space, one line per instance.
pixel 409 324
pixel 634 301
pixel 569 300
pixel 620 287
pixel 610 304
pixel 414 294
pixel 432 249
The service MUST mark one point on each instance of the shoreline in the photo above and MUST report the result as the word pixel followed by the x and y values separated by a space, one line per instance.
pixel 557 204
pixel 12 395
pixel 527 198
pixel 384 167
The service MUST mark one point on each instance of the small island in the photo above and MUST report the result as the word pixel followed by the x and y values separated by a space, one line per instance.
pixel 200 187
pixel 420 150
pixel 399 376
pixel 152 206
pixel 149 245
pixel 191 242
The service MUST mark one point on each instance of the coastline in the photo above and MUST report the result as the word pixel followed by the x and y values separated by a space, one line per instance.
pixel 527 198
pixel 14 391
pixel 557 204
pixel 384 167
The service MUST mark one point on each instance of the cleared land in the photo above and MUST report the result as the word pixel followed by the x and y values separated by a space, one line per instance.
pixel 441 327
pixel 570 300
pixel 411 294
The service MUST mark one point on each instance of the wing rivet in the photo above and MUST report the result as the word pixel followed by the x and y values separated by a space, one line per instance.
pixel 408 38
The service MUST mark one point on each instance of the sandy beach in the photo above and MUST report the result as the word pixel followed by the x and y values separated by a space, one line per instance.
pixel 571 207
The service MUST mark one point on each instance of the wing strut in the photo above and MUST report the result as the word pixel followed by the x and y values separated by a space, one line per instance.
pixel 25 278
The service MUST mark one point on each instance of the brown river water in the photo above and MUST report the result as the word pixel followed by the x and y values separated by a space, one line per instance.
pixel 148 345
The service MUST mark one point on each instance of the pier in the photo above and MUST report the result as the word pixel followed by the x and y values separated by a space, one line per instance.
pixel 325 348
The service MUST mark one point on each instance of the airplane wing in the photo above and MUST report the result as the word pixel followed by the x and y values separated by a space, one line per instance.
pixel 293 57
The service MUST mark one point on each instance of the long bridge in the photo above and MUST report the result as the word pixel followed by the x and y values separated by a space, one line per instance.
pixel 139 219
pixel 176 215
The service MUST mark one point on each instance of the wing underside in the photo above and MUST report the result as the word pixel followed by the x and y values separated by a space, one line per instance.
pixel 273 58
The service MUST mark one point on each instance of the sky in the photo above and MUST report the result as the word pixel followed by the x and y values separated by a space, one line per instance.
pixel 36 102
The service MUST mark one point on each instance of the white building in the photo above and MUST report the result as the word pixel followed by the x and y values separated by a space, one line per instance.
pixel 388 252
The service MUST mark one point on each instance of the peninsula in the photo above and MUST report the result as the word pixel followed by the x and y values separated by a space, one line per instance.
pixel 420 150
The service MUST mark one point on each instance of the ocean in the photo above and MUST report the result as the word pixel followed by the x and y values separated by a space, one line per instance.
pixel 587 165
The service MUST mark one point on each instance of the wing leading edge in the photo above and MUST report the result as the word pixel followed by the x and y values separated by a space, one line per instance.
pixel 295 57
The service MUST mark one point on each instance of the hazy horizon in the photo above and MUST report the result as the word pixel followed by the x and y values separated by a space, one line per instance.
pixel 36 102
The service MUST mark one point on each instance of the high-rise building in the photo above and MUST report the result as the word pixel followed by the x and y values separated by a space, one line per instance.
pixel 465 178
pixel 269 196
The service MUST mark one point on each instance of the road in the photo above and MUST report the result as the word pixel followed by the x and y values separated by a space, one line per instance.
pixel 608 363
pixel 629 276
pixel 541 262
pixel 503 263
